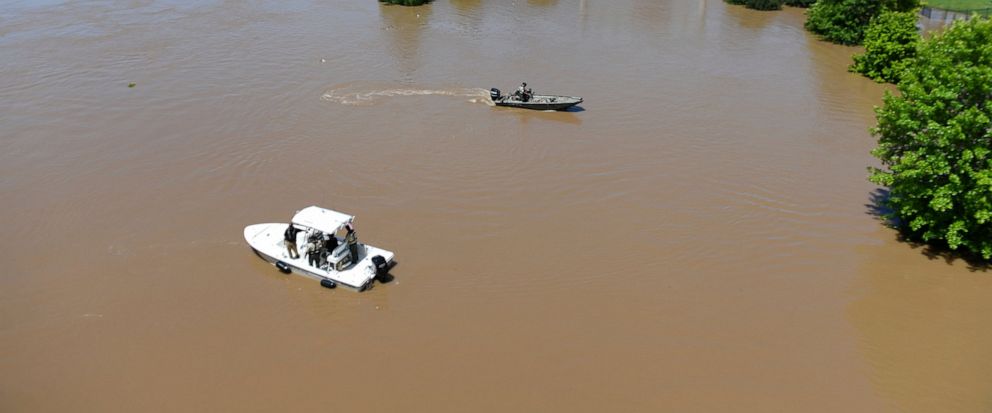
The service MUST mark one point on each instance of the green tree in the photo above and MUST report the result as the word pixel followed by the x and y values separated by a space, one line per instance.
pixel 935 140
pixel 845 21
pixel 759 4
pixel 406 2
pixel 890 40
pixel 764 4
pixel 800 3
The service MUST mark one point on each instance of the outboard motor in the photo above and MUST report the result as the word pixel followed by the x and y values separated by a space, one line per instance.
pixel 381 266
pixel 494 94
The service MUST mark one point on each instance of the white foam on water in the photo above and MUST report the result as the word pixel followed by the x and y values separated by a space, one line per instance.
pixel 485 100
pixel 364 98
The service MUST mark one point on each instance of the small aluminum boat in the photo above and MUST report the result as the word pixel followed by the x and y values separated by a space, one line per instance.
pixel 337 265
pixel 536 102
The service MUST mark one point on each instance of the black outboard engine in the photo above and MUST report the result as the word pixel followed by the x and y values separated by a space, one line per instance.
pixel 494 94
pixel 381 266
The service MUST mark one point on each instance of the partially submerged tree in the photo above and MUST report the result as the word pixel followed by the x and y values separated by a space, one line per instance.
pixel 935 140
pixel 845 21
pixel 890 40
pixel 759 4
pixel 764 4
pixel 406 2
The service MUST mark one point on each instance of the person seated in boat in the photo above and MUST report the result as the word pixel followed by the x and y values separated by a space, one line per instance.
pixel 523 92
pixel 332 242
pixel 314 249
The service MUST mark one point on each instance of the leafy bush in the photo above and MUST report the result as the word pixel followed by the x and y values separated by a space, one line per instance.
pixel 800 3
pixel 935 139
pixel 890 40
pixel 759 4
pixel 845 21
pixel 764 4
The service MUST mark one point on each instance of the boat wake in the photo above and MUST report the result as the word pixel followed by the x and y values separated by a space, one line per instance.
pixel 351 97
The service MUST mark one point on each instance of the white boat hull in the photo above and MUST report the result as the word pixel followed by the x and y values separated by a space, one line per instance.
pixel 267 241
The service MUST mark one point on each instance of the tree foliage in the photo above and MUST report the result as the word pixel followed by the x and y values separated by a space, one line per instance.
pixel 800 3
pixel 845 21
pixel 406 2
pixel 764 4
pixel 890 40
pixel 759 4
pixel 935 140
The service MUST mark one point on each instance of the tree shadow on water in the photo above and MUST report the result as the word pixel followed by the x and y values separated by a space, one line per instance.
pixel 878 208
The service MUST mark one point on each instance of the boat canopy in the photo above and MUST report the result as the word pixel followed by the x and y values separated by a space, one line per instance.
pixel 321 219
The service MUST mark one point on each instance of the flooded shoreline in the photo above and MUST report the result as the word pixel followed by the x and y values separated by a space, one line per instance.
pixel 698 237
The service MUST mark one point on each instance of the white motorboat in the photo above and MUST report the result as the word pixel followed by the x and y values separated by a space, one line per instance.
pixel 335 265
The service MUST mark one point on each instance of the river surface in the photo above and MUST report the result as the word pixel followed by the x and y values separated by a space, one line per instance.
pixel 698 236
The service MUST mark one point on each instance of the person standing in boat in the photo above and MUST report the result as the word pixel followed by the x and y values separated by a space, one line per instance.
pixel 290 237
pixel 352 239
pixel 314 250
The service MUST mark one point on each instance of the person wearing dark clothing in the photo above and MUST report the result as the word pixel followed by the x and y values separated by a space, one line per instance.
pixel 331 244
pixel 352 239
pixel 290 237
pixel 314 251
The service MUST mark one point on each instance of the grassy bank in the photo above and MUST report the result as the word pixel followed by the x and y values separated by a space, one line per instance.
pixel 960 5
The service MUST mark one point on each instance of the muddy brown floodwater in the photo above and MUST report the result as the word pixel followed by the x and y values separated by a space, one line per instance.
pixel 698 236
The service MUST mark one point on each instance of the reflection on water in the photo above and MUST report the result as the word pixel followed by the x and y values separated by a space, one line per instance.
pixel 542 3
pixel 525 116
pixel 752 19
pixel 466 5
pixel 403 26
